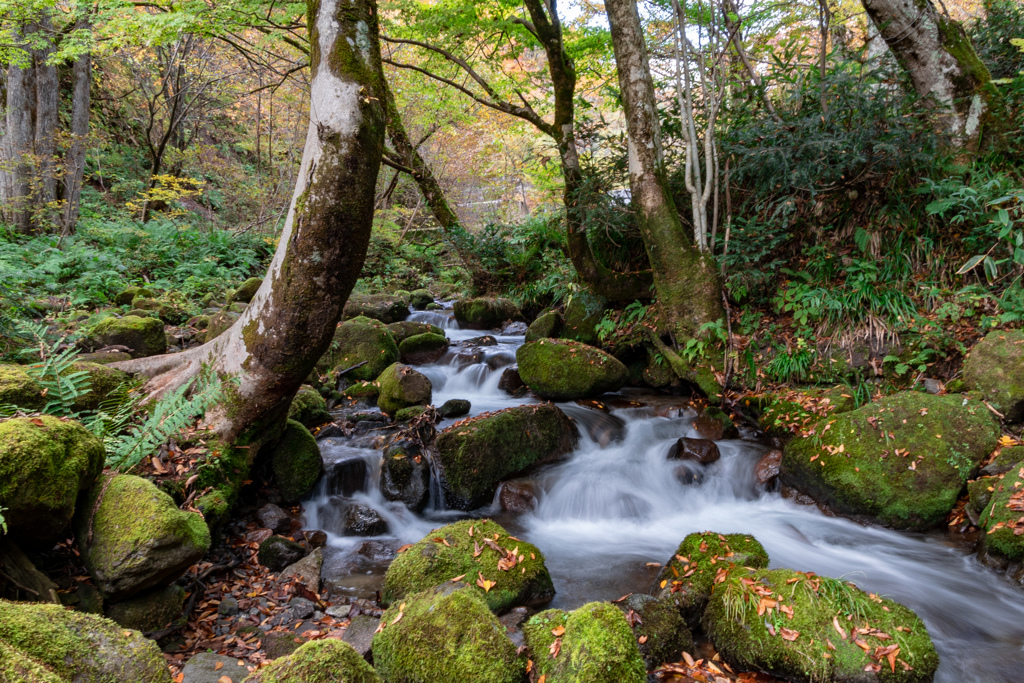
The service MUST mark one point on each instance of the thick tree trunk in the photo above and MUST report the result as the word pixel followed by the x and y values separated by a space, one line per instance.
pixel 685 278
pixel 942 63
pixel 17 149
pixel 290 322
pixel 75 172
pixel 47 91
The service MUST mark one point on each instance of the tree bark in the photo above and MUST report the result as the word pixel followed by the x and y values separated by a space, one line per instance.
pixel 290 322
pixel 685 278
pixel 75 172
pixel 17 148
pixel 47 91
pixel 942 63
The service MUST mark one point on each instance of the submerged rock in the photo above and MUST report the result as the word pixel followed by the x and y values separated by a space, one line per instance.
pixel 595 645
pixel 360 340
pixel 511 383
pixel 142 336
pixel 688 577
pixel 485 313
pixel 475 454
pixel 295 462
pixel 309 408
pixel 43 643
pixel 318 661
pixel 45 463
pixel 448 552
pixel 517 496
pixel 515 328
pixel 352 518
pixel 401 386
pixel 446 635
pixel 767 469
pixel 900 461
pixel 995 367
pixel 566 371
pixel 803 627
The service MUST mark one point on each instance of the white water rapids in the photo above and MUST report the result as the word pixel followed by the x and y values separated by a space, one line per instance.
pixel 616 504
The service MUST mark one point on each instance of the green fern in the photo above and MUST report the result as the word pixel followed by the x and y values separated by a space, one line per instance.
pixel 62 385
pixel 170 415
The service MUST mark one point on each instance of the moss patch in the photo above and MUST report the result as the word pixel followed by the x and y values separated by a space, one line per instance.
pixel 545 326
pixel 659 628
pixel 475 454
pixel 485 313
pixel 358 340
pixel 448 553
pixel 901 461
pixel 296 463
pixel 407 328
pixel 401 387
pixel 803 627
pixel 582 315
pixel 995 367
pixel 319 661
pixel 1002 511
pixel 565 370
pixel 103 381
pixel 383 307
pixel 308 407
pixel 423 348
pixel 432 636
pixel 247 290
pixel 143 336
pixel 18 389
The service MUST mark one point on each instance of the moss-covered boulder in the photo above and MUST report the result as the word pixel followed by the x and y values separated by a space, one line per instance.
pixel 17 388
pixel 582 315
pixel 687 578
pixel 105 358
pixel 423 348
pixel 995 367
pixel 900 461
pixel 247 290
pixel 485 313
pixel 401 386
pixel 318 661
pixel 102 382
pixel 308 407
pixel 802 627
pixel 474 455
pixel 357 341
pixel 295 462
pixel 567 370
pixel 277 553
pixel 143 336
pixel 73 647
pixel 126 297
pixel 366 392
pixel 444 635
pixel 133 537
pixel 1000 504
pixel 387 308
pixel 44 463
pixel 150 611
pixel 420 298
pixel 474 551
pixel 454 407
pixel 659 628
pixel 591 644
pixel 790 412
pixel 170 312
pixel 407 328
pixel 546 326
pixel 412 412
pixel 219 323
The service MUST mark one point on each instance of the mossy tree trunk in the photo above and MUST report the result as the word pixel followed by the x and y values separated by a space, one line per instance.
pixel 291 320
pixel 942 63
pixel 685 278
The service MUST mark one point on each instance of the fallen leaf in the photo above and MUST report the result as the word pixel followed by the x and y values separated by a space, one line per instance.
pixel 458 578
pixel 218 666
pixel 789 634
pixel 484 583
pixel 560 630
pixel 642 639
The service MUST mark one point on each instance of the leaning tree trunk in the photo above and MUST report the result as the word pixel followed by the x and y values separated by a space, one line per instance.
pixel 685 278
pixel 75 171
pixel 290 322
pixel 942 63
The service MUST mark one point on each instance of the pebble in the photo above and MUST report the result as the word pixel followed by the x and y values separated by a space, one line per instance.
pixel 228 607
pixel 339 611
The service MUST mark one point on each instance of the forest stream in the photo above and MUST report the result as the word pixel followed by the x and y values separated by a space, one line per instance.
pixel 616 503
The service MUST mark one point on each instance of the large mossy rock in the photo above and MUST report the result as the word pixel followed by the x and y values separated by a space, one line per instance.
pixel 102 382
pixel 444 635
pixel 995 367
pixel 582 315
pixel 420 298
pixel 485 313
pixel 687 578
pixel 360 340
pixel 73 647
pixel 423 348
pixel 129 295
pixel 790 412
pixel 143 336
pixel 295 462
pixel 318 661
pixel 567 370
pixel 546 326
pixel 1001 510
pixel 220 322
pixel 900 461
pixel 386 308
pixel 247 290
pixel 308 407
pixel 133 537
pixel 595 645
pixel 401 387
pixel 474 455
pixel 798 627
pixel 45 463
pixel 468 550
pixel 408 328
pixel 17 388
pixel 660 630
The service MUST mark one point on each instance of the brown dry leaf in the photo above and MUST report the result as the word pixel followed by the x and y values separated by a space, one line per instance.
pixel 555 648
pixel 642 639
pixel 398 618
pixel 838 628
pixel 36 421
pixel 405 547
pixel 787 610
pixel 218 666
pixel 484 583
pixel 477 549
pixel 458 578
pixel 224 679
pixel 789 634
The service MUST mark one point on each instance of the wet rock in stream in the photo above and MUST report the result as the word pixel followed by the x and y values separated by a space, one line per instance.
pixel 511 383
pixel 454 407
pixel 517 496
pixel 274 518
pixel 703 451
pixel 352 518
pixel 405 474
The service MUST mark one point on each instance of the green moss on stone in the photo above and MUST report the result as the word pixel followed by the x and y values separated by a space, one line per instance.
pixel 597 646
pixel 385 308
pixel 150 611
pixel 17 667
pixel 409 413
pixel 418 345
pixel 17 388
pixel 126 297
pixel 406 328
pixel 475 454
pixel 566 370
pixel 687 578
pixel 850 461
pixel 582 315
pixel 658 623
pixel 363 391
pixel 43 467
pixel 358 340
pixel 546 326
pixel 811 649
pixel 485 313
pixel 143 336
pixel 318 661
pixel 447 553
pixel 420 298
pixel 296 463
pixel 247 290
pixel 400 387
pixel 1001 511
pixel 444 637
pixel 102 381
pixel 309 407
pixel 995 367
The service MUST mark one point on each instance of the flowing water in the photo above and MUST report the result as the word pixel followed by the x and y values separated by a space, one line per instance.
pixel 616 503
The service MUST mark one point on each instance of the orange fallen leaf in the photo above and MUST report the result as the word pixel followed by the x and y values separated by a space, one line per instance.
pixel 218 666
pixel 560 630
